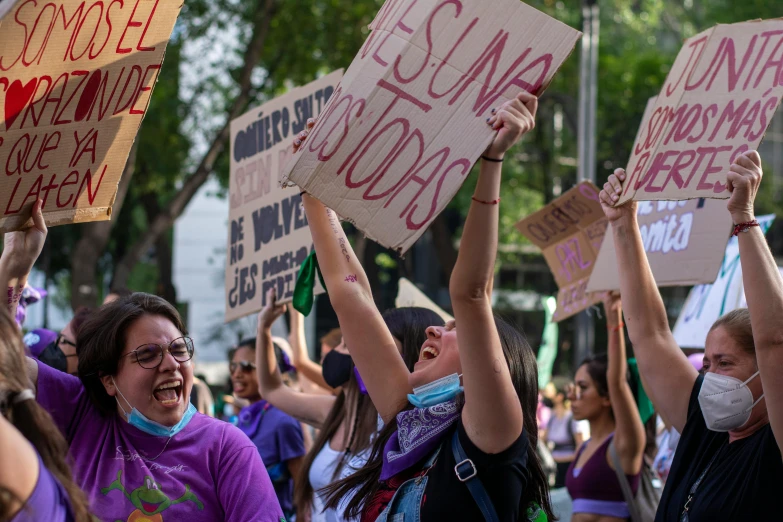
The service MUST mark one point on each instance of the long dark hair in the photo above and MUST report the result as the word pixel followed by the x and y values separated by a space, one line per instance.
pixel 32 420
pixel 359 437
pixel 409 326
pixel 524 374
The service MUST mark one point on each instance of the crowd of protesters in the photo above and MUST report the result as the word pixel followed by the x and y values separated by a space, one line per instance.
pixel 405 417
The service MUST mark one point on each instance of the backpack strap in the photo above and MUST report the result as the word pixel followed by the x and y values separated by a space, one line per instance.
pixel 624 485
pixel 468 474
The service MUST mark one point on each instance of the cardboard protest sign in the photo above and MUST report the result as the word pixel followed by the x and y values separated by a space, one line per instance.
pixel 684 241
pixel 269 238
pixel 569 231
pixel 75 81
pixel 409 119
pixel 707 303
pixel 717 102
pixel 408 294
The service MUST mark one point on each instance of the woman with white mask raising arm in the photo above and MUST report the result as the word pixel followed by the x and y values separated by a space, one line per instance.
pixel 728 463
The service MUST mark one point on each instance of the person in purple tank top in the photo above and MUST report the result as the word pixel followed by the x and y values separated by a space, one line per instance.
pixel 603 396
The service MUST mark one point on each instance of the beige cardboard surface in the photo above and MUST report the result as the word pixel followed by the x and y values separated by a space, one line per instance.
pixel 717 102
pixel 569 231
pixel 75 81
pixel 269 238
pixel 684 240
pixel 409 119
pixel 409 294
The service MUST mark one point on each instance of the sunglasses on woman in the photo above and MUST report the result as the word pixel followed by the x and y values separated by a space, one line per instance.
pixel 245 366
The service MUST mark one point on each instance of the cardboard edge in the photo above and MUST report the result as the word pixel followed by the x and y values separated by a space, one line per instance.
pixel 56 218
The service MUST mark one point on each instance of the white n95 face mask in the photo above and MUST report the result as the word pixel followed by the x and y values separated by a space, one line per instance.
pixel 726 402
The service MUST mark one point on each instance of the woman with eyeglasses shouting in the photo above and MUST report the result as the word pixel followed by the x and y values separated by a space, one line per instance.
pixel 277 435
pixel 138 449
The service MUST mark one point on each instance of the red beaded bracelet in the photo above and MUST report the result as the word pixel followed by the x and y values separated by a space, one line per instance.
pixel 493 202
pixel 617 328
pixel 744 227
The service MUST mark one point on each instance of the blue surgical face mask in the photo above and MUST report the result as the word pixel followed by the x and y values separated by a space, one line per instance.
pixel 138 420
pixel 436 392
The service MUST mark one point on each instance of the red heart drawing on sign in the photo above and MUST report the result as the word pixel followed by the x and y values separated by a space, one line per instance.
pixel 16 99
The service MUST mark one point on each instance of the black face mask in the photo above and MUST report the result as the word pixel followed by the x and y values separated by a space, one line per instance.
pixel 53 357
pixel 337 368
pixel 549 403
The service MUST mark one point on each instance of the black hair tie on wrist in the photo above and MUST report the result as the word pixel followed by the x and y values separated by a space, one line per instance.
pixel 492 159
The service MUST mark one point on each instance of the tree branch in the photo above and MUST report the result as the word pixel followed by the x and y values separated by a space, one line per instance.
pixel 193 183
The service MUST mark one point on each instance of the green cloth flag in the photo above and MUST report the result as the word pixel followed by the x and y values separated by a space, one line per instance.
pixel 548 350
pixel 304 289
pixel 643 402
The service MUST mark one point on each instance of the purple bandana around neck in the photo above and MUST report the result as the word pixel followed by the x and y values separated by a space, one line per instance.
pixel 249 418
pixel 419 432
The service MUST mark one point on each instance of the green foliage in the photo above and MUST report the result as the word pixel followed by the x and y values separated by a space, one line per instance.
pixel 638 42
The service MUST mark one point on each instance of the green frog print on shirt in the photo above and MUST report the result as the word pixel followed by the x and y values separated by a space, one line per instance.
pixel 149 500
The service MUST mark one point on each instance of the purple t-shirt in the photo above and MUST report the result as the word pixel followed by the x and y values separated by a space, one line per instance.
pixel 278 437
pixel 48 502
pixel 209 471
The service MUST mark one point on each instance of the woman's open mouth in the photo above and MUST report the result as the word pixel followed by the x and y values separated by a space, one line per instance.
pixel 429 353
pixel 168 393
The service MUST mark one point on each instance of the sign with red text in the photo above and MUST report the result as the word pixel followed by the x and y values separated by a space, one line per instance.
pixel 684 241
pixel 569 231
pixel 75 81
pixel 708 303
pixel 717 102
pixel 269 238
pixel 410 117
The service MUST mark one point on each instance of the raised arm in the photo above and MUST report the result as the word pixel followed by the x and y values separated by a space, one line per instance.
pixel 305 407
pixel 763 286
pixel 493 414
pixel 364 331
pixel 629 434
pixel 302 362
pixel 666 370
pixel 20 252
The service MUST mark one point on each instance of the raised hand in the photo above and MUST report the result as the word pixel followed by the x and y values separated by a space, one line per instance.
pixel 271 312
pixel 302 136
pixel 610 195
pixel 744 179
pixel 613 307
pixel 22 248
pixel 512 120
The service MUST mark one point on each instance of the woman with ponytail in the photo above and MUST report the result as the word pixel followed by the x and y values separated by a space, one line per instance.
pixel 35 481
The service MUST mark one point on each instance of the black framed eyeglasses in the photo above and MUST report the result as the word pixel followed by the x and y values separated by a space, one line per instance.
pixel 246 366
pixel 149 356
pixel 64 340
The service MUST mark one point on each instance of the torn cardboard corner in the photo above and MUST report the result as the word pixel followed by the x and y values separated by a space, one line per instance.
pixel 74 88
pixel 410 117
pixel 717 102
pixel 409 295
pixel 684 241
pixel 569 231
pixel 269 237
